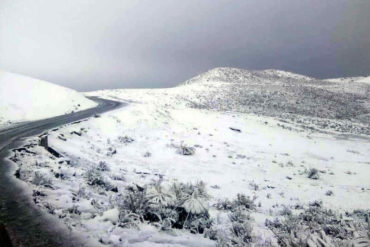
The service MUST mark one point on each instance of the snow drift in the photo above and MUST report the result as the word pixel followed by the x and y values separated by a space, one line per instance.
pixel 23 98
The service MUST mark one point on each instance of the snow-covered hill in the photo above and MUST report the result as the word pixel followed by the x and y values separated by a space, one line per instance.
pixel 352 80
pixel 171 168
pixel 235 75
pixel 282 94
pixel 23 98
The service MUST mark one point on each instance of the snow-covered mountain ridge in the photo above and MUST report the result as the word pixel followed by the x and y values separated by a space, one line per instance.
pixel 282 94
pixel 308 102
pixel 23 99
pixel 358 79
pixel 236 75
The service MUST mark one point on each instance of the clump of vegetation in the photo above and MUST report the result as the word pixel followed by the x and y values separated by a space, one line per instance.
pixel 241 229
pixel 238 233
pixel 102 166
pixel 182 206
pixel 241 201
pixel 313 173
pixel 329 193
pixel 147 154
pixel 125 139
pixel 317 226
pixel 74 210
pixel 183 149
pixel 41 179
pixel 94 177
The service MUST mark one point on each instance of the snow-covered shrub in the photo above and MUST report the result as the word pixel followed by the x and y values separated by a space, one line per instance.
pixel 74 210
pixel 125 139
pixel 185 150
pixel 147 154
pixel 94 177
pixel 244 201
pixel 285 211
pixel 111 151
pixel 329 193
pixel 158 196
pixel 129 220
pixel 197 217
pixel 182 190
pixel 134 201
pixel 313 173
pixel 191 206
pixel 118 177
pixel 315 226
pixel 238 232
pixel 225 204
pixel 49 207
pixel 254 186
pixel 41 179
pixel 23 173
pixel 81 192
pixel 102 166
pixel 183 206
pixel 241 201
pixel 241 234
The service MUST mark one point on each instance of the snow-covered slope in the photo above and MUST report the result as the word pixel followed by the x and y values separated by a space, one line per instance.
pixel 229 129
pixel 359 79
pixel 235 75
pixel 268 160
pixel 23 98
pixel 289 96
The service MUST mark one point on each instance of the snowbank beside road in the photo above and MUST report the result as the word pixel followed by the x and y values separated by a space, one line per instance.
pixel 23 99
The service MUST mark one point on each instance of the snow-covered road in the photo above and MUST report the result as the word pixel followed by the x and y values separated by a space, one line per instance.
pixel 24 221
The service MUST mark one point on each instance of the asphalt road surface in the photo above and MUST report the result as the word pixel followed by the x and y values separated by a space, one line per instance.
pixel 20 219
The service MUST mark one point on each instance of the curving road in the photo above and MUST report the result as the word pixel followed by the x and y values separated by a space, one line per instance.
pixel 25 223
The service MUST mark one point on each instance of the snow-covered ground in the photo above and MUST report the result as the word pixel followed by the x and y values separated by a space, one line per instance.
pixel 24 99
pixel 358 79
pixel 280 165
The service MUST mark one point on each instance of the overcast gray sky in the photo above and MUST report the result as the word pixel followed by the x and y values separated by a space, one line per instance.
pixel 88 45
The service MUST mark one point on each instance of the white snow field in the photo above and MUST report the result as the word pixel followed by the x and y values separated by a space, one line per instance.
pixel 24 99
pixel 284 167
